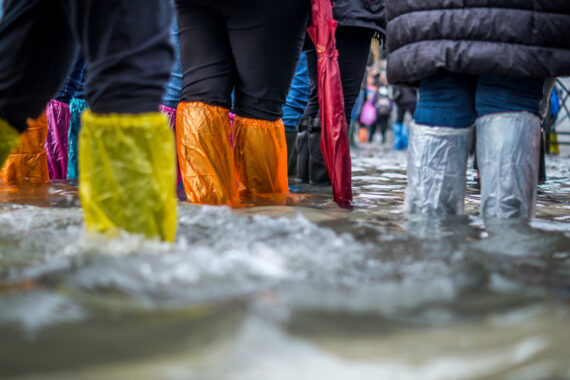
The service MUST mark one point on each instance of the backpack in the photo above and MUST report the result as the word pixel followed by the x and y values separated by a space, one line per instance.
pixel 383 106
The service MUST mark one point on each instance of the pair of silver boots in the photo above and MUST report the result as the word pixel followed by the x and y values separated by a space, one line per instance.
pixel 508 153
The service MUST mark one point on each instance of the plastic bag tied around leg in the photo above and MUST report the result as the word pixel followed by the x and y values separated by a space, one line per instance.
pixel 205 154
pixel 508 151
pixel 28 162
pixel 260 153
pixel 9 140
pixel 437 163
pixel 127 174
pixel 76 107
pixel 401 135
pixel 57 145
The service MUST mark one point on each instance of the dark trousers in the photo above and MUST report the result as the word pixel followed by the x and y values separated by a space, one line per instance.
pixel 126 44
pixel 402 109
pixel 380 123
pixel 353 45
pixel 250 47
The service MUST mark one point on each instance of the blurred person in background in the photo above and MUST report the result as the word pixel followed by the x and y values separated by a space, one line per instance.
pixel 406 99
pixel 383 107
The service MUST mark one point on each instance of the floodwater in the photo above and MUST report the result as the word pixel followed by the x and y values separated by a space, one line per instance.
pixel 302 290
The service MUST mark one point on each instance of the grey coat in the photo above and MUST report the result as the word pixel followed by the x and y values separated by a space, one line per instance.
pixel 516 38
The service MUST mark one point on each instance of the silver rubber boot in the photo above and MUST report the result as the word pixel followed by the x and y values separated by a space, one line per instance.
pixel 437 162
pixel 508 152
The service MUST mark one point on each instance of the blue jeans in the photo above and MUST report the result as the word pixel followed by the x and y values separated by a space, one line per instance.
pixel 171 96
pixel 73 87
pixel 298 95
pixel 456 100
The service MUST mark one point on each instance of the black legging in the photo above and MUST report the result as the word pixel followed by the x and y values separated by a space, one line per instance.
pixel 402 109
pixel 126 44
pixel 353 45
pixel 250 46
pixel 382 123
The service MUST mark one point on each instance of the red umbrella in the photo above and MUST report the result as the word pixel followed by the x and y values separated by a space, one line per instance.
pixel 334 137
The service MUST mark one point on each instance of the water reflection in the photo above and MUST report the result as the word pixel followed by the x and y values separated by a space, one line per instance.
pixel 289 288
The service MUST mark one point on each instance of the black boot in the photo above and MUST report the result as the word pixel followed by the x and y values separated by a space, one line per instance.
pixel 291 140
pixel 318 174
pixel 303 150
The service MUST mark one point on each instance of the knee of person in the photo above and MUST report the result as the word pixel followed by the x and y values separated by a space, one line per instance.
pixel 257 108
pixel 503 94
pixel 19 114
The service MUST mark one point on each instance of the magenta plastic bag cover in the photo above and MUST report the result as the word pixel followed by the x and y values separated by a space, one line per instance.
pixel 368 115
pixel 171 113
pixel 58 117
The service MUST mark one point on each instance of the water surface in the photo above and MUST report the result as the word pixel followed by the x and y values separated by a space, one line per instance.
pixel 300 290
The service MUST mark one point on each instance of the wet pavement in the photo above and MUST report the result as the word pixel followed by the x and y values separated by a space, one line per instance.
pixel 300 290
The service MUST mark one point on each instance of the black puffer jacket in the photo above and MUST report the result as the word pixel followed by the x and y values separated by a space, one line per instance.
pixel 516 38
pixel 363 13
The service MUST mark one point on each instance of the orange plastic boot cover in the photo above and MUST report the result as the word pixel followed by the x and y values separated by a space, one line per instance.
pixel 260 153
pixel 28 162
pixel 205 154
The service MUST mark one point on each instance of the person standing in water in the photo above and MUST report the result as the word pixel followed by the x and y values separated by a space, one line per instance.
pixel 359 21
pixel 126 153
pixel 481 66
pixel 250 48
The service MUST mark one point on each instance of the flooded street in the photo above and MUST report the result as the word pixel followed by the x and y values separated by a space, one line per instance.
pixel 303 290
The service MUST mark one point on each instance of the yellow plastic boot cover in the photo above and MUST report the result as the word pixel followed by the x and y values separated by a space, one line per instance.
pixel 127 174
pixel 9 139
pixel 205 154
pixel 28 162
pixel 260 153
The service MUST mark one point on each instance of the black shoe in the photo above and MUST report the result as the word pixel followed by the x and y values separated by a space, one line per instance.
pixel 291 140
pixel 318 174
pixel 303 150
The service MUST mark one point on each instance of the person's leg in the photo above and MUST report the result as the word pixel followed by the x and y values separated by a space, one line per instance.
pixel 400 114
pixel 508 145
pixel 398 128
pixel 310 116
pixel 372 130
pixel 353 45
pixel 128 52
pixel 171 99
pixel 446 100
pixel 36 51
pixel 266 40
pixel 438 144
pixel 383 123
pixel 203 125
pixel 126 152
pixel 293 109
pixel 76 108
pixel 36 47
pixel 28 162
pixel 354 117
pixel 59 118
pixel 57 148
